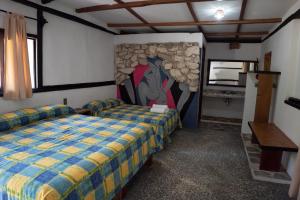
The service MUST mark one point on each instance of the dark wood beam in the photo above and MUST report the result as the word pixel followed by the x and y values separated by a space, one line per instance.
pixel 230 40
pixel 132 5
pixel 242 13
pixel 236 33
pixel 192 23
pixel 137 16
pixel 192 11
pixel 46 1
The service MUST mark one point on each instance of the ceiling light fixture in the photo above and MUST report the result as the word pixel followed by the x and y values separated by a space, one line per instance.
pixel 219 14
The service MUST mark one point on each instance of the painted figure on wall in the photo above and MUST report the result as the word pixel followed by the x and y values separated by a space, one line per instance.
pixel 155 84
pixel 152 84
pixel 166 74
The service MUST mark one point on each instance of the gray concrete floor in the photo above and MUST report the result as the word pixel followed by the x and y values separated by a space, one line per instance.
pixel 208 163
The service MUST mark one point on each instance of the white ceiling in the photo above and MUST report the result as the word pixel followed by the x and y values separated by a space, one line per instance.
pixel 255 9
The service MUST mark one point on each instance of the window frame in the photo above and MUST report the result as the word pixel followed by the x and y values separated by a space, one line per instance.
pixel 35 67
pixel 209 61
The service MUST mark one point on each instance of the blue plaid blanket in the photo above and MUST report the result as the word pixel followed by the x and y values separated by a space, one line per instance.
pixel 72 157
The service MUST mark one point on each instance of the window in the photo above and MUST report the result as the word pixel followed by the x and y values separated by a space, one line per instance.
pixel 32 46
pixel 31 42
pixel 229 72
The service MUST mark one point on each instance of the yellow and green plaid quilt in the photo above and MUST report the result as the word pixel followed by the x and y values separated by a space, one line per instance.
pixel 163 123
pixel 73 157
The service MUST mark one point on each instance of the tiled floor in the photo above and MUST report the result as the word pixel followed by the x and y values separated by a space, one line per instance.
pixel 208 163
pixel 253 154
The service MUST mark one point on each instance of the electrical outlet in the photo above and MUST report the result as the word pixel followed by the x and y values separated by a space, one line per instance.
pixel 65 101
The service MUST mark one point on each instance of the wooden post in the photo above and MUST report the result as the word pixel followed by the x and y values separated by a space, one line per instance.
pixel 267 61
pixel 263 98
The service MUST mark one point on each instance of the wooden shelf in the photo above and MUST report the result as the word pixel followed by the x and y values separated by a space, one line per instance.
pixel 269 136
pixel 265 72
pixel 272 142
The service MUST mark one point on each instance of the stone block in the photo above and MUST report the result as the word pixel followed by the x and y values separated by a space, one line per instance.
pixel 193 76
pixel 193 65
pixel 142 61
pixel 127 70
pixel 185 70
pixel 192 50
pixel 178 58
pixel 168 66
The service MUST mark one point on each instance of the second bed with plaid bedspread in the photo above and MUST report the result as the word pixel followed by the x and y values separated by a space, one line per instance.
pixel 163 123
pixel 73 157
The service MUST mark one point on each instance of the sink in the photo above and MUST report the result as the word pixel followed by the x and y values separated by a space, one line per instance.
pixel 224 93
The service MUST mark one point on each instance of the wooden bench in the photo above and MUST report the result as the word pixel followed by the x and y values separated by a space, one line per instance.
pixel 273 142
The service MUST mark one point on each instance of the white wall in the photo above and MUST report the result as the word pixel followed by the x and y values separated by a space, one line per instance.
pixel 221 51
pixel 67 8
pixel 250 102
pixel 76 98
pixel 216 106
pixel 247 51
pixel 285 47
pixel 159 37
pixel 73 53
pixel 22 10
pixel 79 53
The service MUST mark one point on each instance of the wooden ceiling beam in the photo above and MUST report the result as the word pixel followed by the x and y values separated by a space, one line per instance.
pixel 236 33
pixel 137 16
pixel 242 14
pixel 229 40
pixel 46 1
pixel 132 5
pixel 192 11
pixel 192 23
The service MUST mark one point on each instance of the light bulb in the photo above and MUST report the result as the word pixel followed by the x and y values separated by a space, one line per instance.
pixel 219 14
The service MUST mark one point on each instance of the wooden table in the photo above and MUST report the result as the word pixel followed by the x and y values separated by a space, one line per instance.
pixel 273 142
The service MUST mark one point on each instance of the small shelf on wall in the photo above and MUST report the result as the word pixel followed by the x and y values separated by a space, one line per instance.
pixel 265 72
pixel 294 102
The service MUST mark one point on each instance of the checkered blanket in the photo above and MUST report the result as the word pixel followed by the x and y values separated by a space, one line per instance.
pixel 163 124
pixel 73 157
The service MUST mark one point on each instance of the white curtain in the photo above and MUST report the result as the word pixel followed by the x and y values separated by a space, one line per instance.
pixel 17 81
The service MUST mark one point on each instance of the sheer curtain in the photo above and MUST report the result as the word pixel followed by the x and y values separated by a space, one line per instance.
pixel 1 57
pixel 295 185
pixel 16 76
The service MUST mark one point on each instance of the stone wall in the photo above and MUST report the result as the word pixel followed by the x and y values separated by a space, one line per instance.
pixel 180 59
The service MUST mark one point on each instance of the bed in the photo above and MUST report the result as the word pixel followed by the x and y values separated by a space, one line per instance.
pixel 51 153
pixel 163 123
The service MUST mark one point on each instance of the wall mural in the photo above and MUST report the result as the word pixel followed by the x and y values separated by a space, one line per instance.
pixel 165 73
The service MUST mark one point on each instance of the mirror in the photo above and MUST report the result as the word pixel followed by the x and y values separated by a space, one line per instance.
pixel 231 73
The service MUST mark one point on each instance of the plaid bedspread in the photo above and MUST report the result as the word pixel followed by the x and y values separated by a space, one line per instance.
pixel 163 124
pixel 74 157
